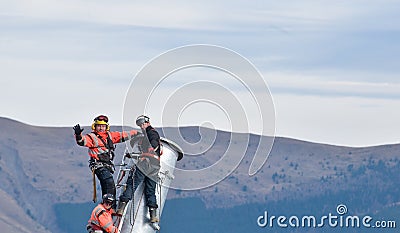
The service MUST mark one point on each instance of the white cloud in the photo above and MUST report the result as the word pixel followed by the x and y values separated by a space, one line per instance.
pixel 222 15
pixel 327 84
pixel 348 121
pixel 157 14
pixel 329 57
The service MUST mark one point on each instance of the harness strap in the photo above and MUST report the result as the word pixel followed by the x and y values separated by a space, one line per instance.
pixel 108 145
pixel 100 213
pixel 96 164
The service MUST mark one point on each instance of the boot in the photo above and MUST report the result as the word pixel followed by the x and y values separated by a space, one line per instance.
pixel 121 208
pixel 153 214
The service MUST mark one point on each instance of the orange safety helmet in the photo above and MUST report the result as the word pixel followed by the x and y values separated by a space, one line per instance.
pixel 101 120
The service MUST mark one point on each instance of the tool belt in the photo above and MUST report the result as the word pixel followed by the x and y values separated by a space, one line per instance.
pixel 106 157
pixel 95 164
pixel 90 229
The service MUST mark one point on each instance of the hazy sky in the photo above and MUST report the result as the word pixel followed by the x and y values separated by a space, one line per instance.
pixel 332 67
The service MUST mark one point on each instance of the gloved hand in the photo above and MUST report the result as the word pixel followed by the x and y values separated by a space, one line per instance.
pixel 116 214
pixel 128 155
pixel 133 132
pixel 77 129
pixel 131 156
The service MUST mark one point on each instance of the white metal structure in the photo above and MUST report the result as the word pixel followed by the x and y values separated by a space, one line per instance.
pixel 136 217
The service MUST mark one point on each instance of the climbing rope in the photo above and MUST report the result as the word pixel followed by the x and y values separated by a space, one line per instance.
pixel 132 221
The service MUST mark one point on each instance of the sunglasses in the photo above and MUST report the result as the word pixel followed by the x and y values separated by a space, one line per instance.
pixel 101 118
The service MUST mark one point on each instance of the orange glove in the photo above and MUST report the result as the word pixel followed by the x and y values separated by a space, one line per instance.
pixel 133 132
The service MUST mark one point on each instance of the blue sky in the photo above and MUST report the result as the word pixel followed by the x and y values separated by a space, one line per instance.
pixel 331 66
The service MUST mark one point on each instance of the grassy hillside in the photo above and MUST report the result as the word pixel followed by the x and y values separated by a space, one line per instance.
pixel 46 181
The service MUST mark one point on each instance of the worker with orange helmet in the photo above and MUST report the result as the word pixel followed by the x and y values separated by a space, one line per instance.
pixel 101 217
pixel 101 150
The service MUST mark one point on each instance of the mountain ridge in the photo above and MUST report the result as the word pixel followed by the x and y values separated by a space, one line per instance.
pixel 182 127
pixel 43 166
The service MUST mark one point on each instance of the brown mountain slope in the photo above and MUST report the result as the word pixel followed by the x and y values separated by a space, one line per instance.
pixel 42 166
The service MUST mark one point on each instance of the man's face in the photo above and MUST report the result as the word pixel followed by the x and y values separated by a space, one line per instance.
pixel 100 128
pixel 144 125
pixel 107 205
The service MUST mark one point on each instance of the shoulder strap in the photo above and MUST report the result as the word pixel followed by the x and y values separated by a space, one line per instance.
pixel 159 147
pixel 109 144
pixel 99 210
pixel 100 213
pixel 94 139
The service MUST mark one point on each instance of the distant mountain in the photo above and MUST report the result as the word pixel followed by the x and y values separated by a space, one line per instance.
pixel 42 168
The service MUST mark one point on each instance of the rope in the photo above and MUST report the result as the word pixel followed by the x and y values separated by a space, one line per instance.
pixel 94 187
pixel 159 210
pixel 137 209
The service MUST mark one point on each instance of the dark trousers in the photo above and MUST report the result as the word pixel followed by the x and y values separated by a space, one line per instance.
pixel 106 181
pixel 132 184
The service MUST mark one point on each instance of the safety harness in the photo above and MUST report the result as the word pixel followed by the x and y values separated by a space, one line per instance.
pixel 105 158
pixel 146 152
pixel 95 222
